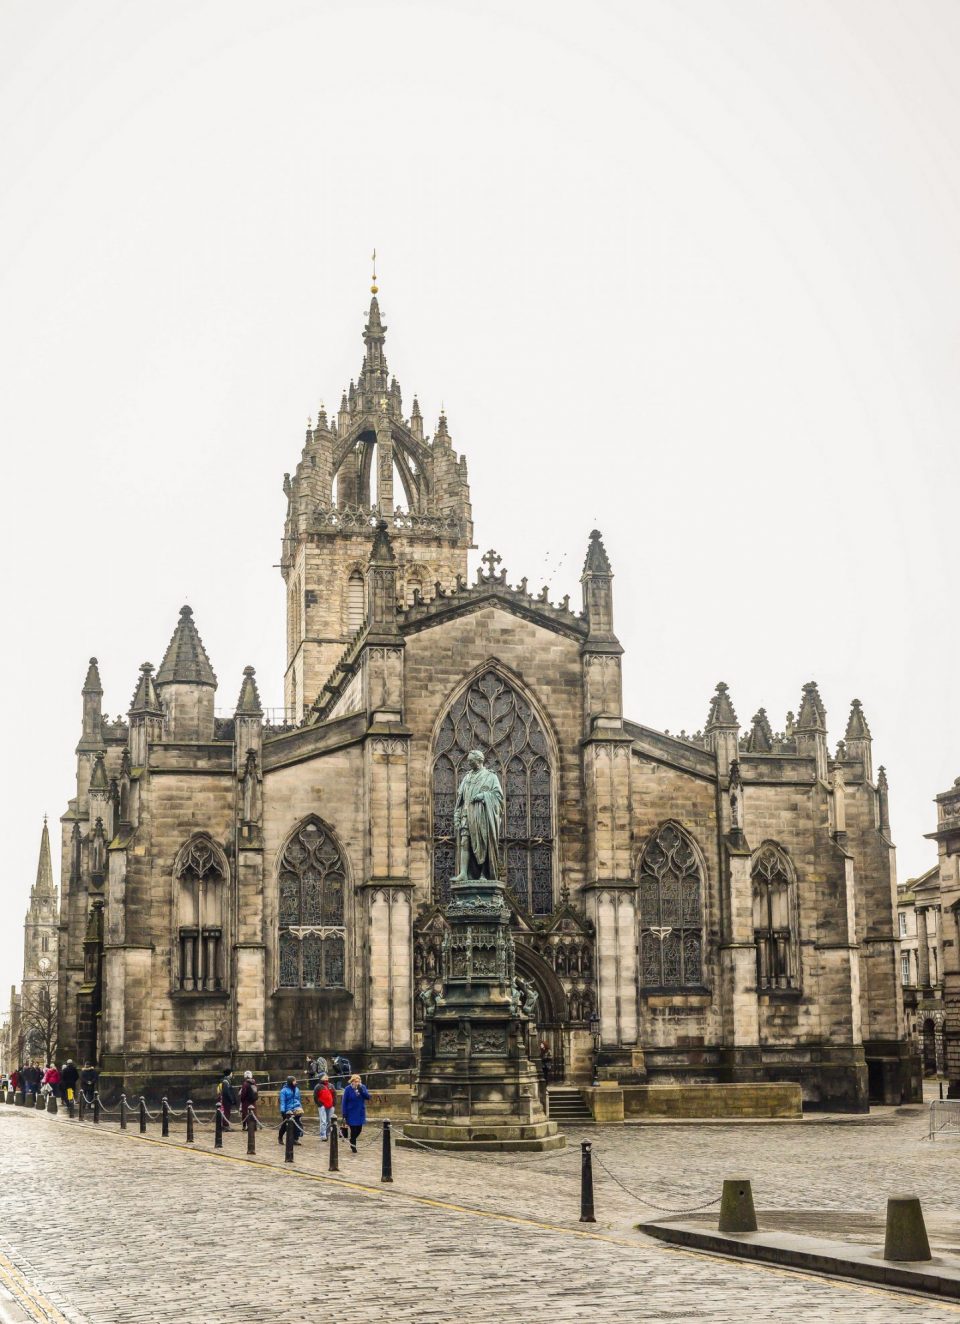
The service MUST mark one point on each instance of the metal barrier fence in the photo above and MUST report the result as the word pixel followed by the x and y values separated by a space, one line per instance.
pixel 944 1117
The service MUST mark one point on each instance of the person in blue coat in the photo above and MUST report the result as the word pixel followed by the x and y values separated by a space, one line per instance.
pixel 291 1110
pixel 353 1106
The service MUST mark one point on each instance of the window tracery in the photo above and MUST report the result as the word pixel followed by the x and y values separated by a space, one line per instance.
pixel 774 919
pixel 312 935
pixel 201 874
pixel 671 912
pixel 492 716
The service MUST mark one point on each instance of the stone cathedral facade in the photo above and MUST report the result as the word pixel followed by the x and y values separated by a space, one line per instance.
pixel 711 907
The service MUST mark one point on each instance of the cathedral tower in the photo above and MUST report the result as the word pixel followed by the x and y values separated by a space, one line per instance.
pixel 38 988
pixel 366 464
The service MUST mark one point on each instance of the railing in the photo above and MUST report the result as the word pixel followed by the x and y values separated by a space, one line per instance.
pixel 944 1117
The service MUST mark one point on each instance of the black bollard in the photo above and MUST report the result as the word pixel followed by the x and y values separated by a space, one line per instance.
pixel 39 1101
pixel 251 1125
pixel 334 1143
pixel 586 1183
pixel 386 1162
pixel 81 1106
pixel 123 1112
pixel 289 1136
pixel 52 1105
pixel 143 1115
pixel 96 1106
pixel 11 1097
pixel 164 1118
pixel 189 1121
pixel 218 1129
pixel 18 1098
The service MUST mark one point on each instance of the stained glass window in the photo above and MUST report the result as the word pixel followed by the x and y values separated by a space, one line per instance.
pixel 774 925
pixel 492 717
pixel 311 887
pixel 671 912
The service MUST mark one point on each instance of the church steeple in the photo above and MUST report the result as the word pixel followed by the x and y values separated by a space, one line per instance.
pixel 44 885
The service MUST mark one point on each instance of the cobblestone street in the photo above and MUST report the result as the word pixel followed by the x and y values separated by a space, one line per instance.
pixel 110 1228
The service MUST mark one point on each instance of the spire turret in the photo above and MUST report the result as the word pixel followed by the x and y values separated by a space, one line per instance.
pixel 811 728
pixel 146 717
pixel 248 704
pixel 185 661
pixel 597 584
pixel 760 739
pixel 859 743
pixel 92 735
pixel 722 732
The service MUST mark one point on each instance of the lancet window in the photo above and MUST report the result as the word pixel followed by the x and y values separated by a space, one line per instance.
pixel 312 935
pixel 671 912
pixel 356 605
pixel 774 919
pixel 201 877
pixel 493 717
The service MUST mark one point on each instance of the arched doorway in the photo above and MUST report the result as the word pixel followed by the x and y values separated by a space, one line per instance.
pixel 552 1012
pixel 929 1047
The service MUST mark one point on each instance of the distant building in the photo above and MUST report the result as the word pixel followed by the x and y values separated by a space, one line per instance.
pixel 921 965
pixel 31 1029
pixel 947 837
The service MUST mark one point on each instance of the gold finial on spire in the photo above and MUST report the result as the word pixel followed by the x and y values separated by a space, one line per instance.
pixel 373 259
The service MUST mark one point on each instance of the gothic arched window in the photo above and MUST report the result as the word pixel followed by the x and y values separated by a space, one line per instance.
pixel 356 606
pixel 671 911
pixel 774 919
pixel 201 873
pixel 312 883
pixel 491 716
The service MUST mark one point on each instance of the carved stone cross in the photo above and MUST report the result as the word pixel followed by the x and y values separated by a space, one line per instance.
pixel 491 560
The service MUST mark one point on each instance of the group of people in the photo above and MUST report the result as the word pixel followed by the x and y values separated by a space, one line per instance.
pixel 33 1079
pixel 353 1104
pixel 353 1108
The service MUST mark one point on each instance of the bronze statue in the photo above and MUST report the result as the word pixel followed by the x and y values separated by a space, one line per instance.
pixel 476 821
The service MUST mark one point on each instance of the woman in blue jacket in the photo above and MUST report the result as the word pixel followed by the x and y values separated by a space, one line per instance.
pixel 291 1110
pixel 354 1108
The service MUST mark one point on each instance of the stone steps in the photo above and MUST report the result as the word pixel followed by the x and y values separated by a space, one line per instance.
pixel 567 1105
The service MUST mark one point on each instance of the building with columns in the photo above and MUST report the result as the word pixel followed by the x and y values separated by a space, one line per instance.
pixel 718 906
pixel 921 963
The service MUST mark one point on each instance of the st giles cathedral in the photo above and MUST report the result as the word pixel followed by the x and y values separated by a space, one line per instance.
pixel 251 888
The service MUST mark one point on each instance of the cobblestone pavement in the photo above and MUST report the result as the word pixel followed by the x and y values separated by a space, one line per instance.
pixel 110 1228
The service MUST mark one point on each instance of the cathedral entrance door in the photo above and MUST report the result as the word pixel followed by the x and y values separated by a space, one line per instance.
pixel 552 1013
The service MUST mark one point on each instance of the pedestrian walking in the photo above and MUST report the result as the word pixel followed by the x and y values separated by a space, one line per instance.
pixel 69 1075
pixel 226 1097
pixel 88 1080
pixel 291 1110
pixel 249 1093
pixel 51 1081
pixel 326 1101
pixel 354 1107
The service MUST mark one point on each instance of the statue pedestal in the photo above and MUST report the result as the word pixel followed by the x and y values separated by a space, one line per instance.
pixel 476 1088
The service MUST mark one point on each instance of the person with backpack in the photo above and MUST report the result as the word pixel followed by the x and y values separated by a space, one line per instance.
pixel 249 1093
pixel 326 1101
pixel 226 1097
pixel 354 1107
pixel 69 1076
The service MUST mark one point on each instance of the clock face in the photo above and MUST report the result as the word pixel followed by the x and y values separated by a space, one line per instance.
pixel 44 964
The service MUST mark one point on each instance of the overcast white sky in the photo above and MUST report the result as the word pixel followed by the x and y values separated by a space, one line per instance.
pixel 684 271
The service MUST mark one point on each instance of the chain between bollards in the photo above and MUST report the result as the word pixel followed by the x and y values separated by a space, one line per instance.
pixel 586 1183
pixel 334 1143
pixel 189 1121
pixel 386 1164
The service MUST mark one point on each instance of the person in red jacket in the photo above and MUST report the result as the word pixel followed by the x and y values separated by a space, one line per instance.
pixel 249 1094
pixel 325 1100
